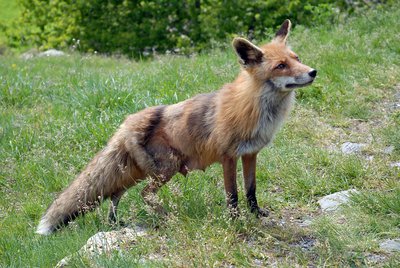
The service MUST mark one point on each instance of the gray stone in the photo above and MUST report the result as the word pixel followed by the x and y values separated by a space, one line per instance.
pixel 333 201
pixel 29 54
pixel 389 149
pixel 258 263
pixel 396 106
pixel 106 242
pixel 373 258
pixel 305 223
pixel 306 243
pixel 396 164
pixel 352 148
pixel 390 245
pixel 369 157
pixel 51 53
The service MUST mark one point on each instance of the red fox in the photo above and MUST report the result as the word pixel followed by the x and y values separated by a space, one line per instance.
pixel 158 142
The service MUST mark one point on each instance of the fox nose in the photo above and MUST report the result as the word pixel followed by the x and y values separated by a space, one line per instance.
pixel 313 73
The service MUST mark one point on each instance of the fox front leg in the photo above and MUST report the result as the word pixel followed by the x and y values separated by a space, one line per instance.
pixel 249 175
pixel 229 167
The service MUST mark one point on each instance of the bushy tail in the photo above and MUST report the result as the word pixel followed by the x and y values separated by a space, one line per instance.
pixel 100 179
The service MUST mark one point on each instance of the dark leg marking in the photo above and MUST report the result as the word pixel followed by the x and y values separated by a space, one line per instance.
pixel 249 174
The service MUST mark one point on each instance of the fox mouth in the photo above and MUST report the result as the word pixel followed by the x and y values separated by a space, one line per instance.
pixel 292 86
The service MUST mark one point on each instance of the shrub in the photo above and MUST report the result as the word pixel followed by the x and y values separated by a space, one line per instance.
pixel 137 28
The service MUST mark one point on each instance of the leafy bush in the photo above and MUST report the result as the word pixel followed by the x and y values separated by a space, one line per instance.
pixel 137 28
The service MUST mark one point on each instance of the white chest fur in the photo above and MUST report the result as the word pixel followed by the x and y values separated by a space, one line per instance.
pixel 275 106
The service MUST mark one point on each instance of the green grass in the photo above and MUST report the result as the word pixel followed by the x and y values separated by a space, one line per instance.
pixel 56 113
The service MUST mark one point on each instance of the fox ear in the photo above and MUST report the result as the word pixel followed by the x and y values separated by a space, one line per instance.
pixel 248 53
pixel 283 32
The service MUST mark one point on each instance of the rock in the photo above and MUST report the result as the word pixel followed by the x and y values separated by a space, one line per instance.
pixel 51 53
pixel 390 245
pixel 395 106
pixel 373 258
pixel 306 243
pixel 333 201
pixel 396 164
pixel 303 223
pixel 369 157
pixel 388 149
pixel 29 54
pixel 35 53
pixel 106 242
pixel 258 263
pixel 352 148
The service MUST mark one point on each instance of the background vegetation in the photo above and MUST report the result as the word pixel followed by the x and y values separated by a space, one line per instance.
pixel 56 113
pixel 140 28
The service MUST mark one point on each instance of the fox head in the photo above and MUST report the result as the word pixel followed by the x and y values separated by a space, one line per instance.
pixel 274 63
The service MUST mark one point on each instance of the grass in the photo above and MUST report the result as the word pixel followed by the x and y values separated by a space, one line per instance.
pixel 56 113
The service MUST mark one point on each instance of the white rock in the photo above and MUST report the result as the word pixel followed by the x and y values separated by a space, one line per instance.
pixel 333 201
pixel 27 56
pixel 352 148
pixel 369 157
pixel 388 149
pixel 390 245
pixel 373 258
pixel 396 164
pixel 105 242
pixel 258 262
pixel 305 223
pixel 51 53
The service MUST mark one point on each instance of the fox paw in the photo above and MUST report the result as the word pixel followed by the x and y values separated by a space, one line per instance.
pixel 260 212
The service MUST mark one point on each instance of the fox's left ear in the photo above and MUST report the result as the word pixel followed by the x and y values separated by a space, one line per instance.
pixel 248 53
pixel 283 32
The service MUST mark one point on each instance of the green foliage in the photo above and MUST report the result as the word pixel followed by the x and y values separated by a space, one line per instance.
pixel 44 24
pixel 137 28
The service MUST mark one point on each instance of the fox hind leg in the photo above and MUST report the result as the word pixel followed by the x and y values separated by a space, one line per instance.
pixel 115 198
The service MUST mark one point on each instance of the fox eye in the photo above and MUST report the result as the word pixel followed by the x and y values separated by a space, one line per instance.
pixel 298 59
pixel 281 66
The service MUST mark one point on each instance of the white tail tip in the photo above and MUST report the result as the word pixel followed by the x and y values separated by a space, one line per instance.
pixel 44 228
